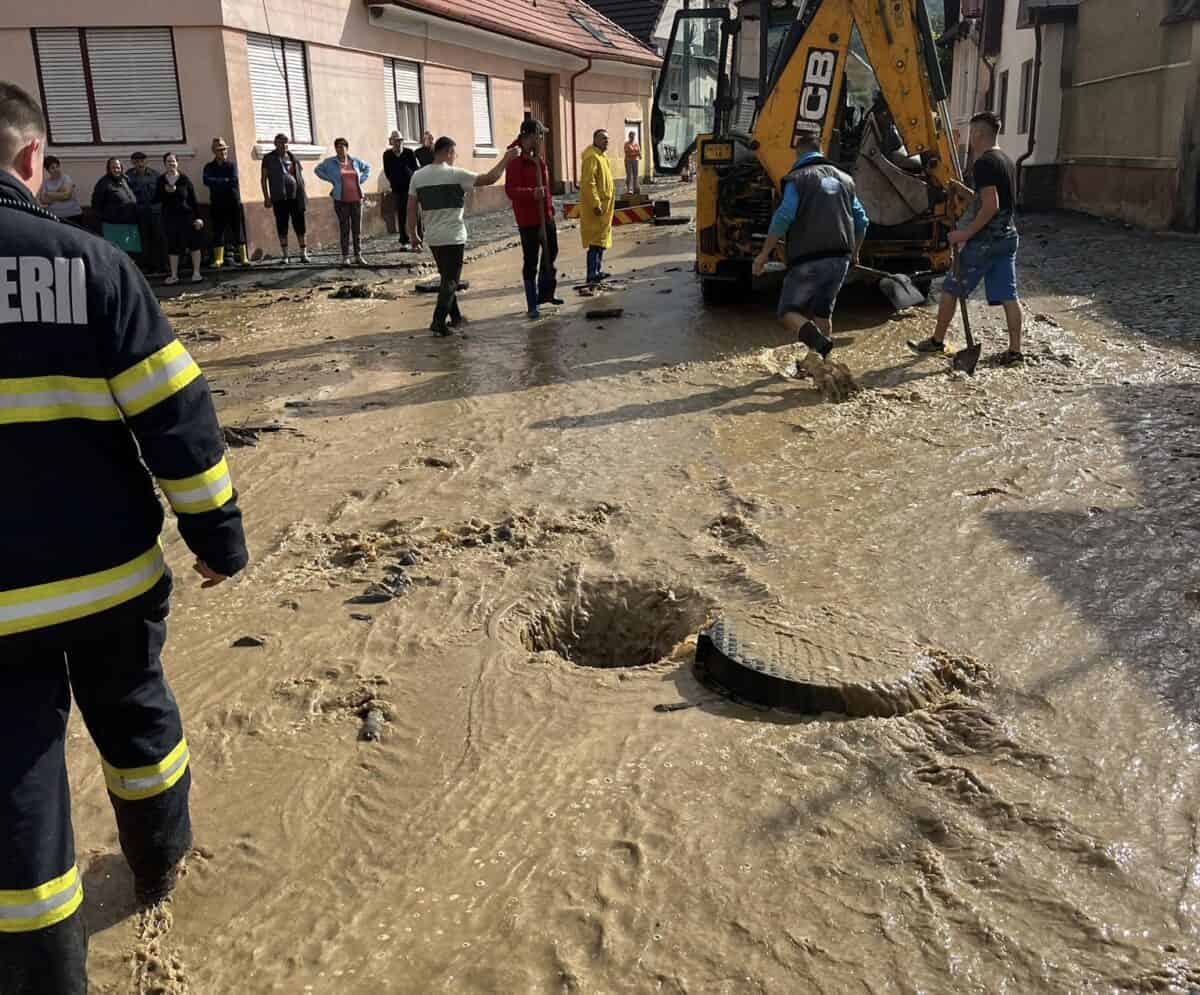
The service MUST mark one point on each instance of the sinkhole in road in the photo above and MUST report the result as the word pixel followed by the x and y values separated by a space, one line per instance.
pixel 614 622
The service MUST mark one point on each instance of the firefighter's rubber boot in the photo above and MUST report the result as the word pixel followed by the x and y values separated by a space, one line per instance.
pixel 218 259
pixel 531 299
pixel 243 255
pixel 811 336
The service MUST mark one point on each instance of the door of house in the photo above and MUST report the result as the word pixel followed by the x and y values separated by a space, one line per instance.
pixel 537 106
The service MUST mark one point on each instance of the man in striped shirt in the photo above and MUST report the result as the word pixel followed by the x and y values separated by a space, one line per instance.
pixel 439 191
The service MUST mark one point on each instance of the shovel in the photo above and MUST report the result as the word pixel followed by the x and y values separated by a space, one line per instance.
pixel 898 288
pixel 965 359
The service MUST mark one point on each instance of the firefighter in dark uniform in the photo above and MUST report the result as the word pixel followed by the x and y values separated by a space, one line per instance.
pixel 96 395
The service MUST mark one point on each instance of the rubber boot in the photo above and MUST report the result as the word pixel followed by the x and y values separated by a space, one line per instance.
pixel 243 255
pixel 531 299
pixel 218 259
pixel 545 292
pixel 811 336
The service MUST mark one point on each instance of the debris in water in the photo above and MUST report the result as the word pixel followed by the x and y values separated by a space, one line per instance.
pixel 243 641
pixel 987 492
pixel 381 592
pixel 833 379
pixel 372 727
pixel 237 436
pixel 598 314
pixel 362 617
pixel 434 284
pixel 358 291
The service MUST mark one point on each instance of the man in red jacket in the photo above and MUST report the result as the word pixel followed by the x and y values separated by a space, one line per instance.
pixel 527 183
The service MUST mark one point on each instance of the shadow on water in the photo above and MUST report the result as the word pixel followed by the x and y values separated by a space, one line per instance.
pixel 1132 572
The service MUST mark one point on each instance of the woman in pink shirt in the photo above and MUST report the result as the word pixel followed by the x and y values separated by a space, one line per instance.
pixel 346 175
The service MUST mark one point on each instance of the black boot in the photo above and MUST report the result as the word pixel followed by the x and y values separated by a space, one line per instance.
pixel 531 299
pixel 811 336
pixel 547 283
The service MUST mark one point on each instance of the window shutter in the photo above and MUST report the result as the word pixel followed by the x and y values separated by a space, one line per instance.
pixel 389 95
pixel 133 80
pixel 408 82
pixel 482 111
pixel 64 88
pixel 297 86
pixel 268 91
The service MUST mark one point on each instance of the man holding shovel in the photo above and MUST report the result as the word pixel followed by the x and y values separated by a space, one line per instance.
pixel 527 183
pixel 985 243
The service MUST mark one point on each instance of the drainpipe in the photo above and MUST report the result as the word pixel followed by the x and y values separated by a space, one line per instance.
pixel 1033 109
pixel 574 126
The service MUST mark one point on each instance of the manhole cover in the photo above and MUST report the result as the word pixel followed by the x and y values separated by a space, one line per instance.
pixel 614 622
pixel 830 661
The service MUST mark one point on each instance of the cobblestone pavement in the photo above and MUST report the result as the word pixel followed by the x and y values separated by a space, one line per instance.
pixel 1143 282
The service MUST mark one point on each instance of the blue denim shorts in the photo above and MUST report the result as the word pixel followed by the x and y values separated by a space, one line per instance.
pixel 811 288
pixel 994 261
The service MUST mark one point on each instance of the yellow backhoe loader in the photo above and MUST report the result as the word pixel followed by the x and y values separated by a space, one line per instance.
pixel 736 85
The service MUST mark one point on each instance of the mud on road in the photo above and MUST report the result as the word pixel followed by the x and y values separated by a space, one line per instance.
pixel 503 544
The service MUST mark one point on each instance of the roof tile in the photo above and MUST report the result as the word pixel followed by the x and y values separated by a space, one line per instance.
pixel 565 25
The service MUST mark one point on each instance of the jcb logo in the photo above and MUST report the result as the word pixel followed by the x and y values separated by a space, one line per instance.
pixel 817 90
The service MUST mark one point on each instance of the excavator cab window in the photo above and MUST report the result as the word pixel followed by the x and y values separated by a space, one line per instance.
pixel 692 72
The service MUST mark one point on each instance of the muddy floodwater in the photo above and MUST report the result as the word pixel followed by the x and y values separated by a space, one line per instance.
pixel 503 545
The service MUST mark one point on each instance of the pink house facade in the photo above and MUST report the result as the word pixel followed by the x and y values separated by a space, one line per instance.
pixel 170 75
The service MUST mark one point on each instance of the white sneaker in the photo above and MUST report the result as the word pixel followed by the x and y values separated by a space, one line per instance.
pixel 345 260
pixel 359 260
pixel 196 276
pixel 284 260
pixel 170 281
pixel 304 256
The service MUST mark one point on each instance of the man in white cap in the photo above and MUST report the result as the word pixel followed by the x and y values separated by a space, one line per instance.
pixel 225 202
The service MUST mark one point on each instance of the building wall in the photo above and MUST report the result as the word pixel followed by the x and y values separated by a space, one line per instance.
pixel 203 90
pixel 1124 119
pixel 1018 45
pixel 346 87
pixel 968 89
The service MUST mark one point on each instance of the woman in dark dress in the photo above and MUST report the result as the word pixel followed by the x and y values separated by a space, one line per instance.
pixel 181 218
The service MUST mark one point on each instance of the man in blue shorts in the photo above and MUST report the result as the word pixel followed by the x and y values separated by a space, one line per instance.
pixel 986 240
pixel 822 225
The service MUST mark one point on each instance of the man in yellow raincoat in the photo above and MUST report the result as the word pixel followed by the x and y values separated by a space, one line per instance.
pixel 596 198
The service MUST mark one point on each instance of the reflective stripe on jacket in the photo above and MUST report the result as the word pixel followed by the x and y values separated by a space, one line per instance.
pixel 95 390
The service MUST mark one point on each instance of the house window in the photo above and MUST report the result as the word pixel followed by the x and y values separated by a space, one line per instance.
pixel 481 109
pixel 279 88
pixel 402 91
pixel 1026 95
pixel 109 85
pixel 1002 109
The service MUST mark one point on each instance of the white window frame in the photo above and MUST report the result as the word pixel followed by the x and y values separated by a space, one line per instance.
pixel 94 110
pixel 392 100
pixel 281 44
pixel 487 148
